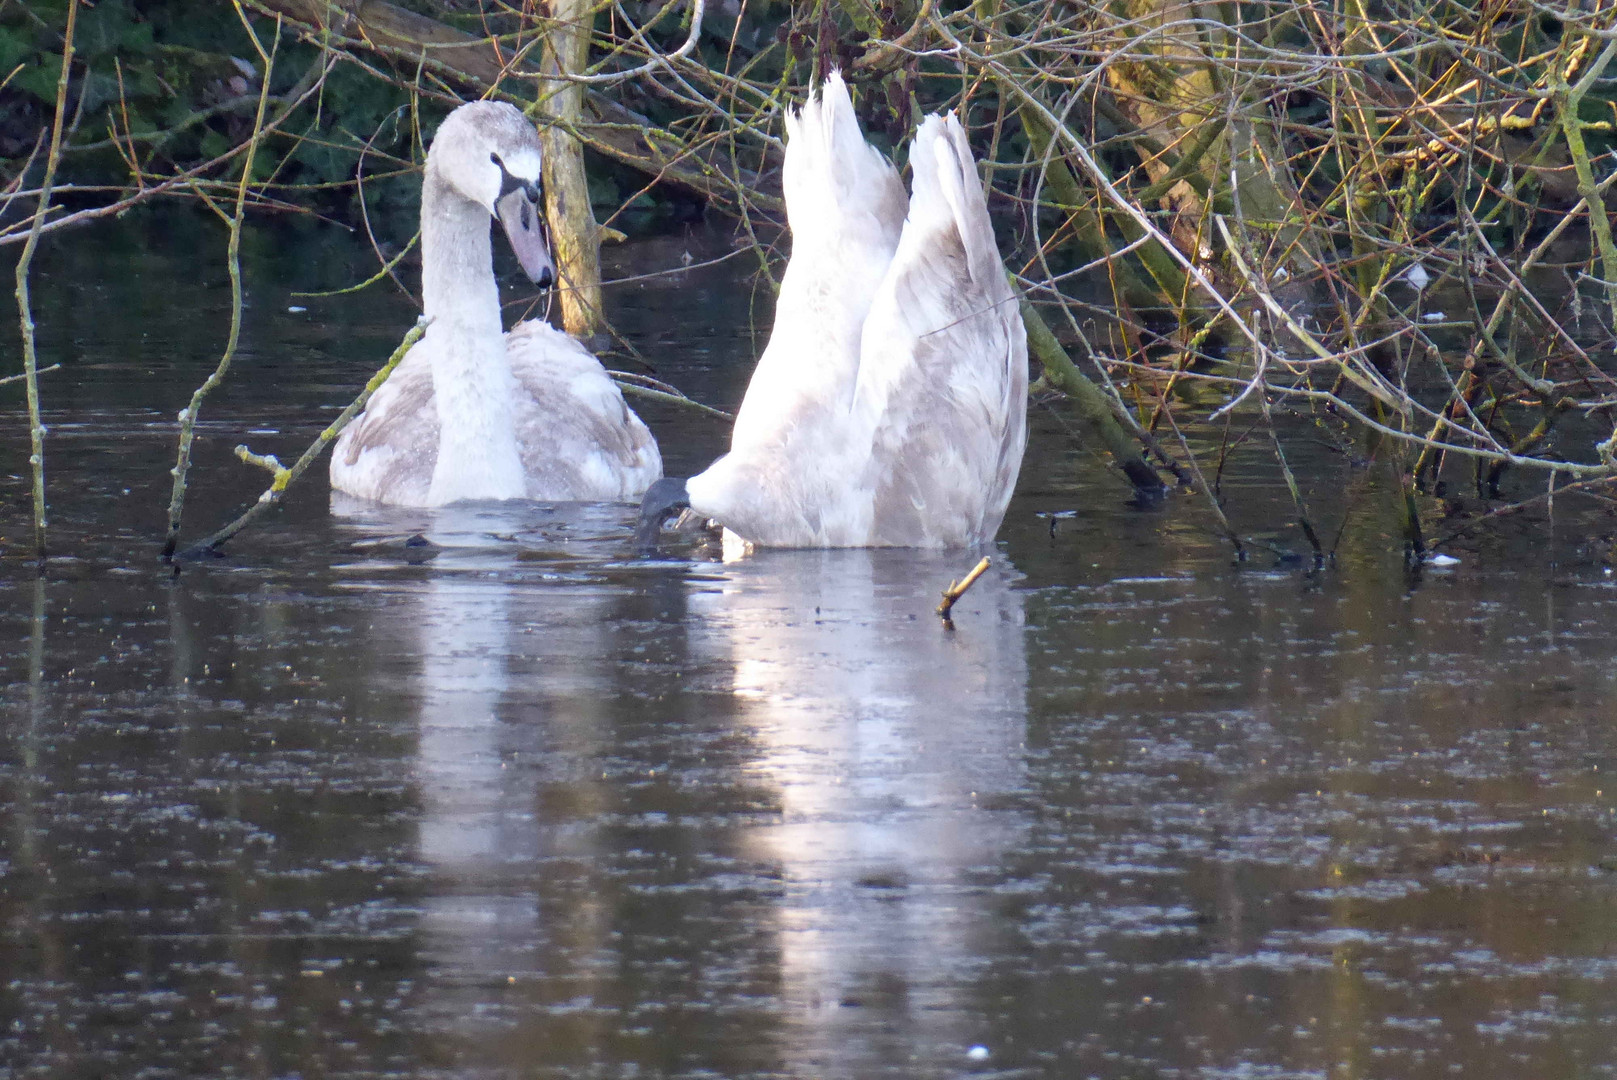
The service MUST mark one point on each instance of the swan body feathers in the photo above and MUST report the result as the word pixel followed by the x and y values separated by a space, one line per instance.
pixel 574 432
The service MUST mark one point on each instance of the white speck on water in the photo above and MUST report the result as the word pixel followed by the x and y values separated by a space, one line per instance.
pixel 295 310
pixel 263 431
pixel 1434 316
pixel 1437 558
pixel 1417 276
pixel 977 1053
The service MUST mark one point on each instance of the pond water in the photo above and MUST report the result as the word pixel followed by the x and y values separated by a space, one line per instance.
pixel 511 803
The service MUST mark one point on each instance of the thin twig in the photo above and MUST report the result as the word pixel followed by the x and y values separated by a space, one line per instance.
pixel 656 390
pixel 957 589
pixel 9 379
pixel 188 416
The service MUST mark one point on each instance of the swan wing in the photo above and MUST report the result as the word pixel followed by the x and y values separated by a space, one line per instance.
pixel 942 384
pixel 578 438
pixel 387 452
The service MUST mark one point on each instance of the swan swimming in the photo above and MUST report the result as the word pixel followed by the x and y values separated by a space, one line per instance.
pixel 889 408
pixel 471 413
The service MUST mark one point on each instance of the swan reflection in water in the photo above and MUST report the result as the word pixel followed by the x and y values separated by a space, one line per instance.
pixel 500 644
pixel 882 743
pixel 890 742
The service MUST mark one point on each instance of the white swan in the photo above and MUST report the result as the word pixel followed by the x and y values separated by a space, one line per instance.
pixel 471 413
pixel 889 408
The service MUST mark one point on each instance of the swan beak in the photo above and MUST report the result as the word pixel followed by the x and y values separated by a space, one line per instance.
pixel 518 210
pixel 663 500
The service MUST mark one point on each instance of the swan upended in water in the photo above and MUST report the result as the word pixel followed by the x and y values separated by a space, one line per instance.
pixel 889 408
pixel 471 413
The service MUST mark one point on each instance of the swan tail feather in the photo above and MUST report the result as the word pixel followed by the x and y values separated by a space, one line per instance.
pixel 846 204
pixel 948 194
pixel 834 181
pixel 943 365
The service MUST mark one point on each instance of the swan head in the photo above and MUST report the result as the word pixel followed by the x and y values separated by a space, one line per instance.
pixel 665 499
pixel 489 153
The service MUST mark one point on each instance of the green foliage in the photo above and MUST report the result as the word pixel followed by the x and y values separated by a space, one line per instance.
pixel 180 83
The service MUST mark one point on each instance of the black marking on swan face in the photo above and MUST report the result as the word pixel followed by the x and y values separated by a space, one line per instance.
pixel 517 207
pixel 533 189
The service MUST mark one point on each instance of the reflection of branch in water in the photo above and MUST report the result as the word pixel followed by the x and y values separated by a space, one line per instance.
pixel 1510 510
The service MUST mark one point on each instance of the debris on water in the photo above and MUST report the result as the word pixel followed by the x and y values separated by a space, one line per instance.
pixel 977 1053
pixel 1054 516
pixel 1437 558
pixel 1434 316
pixel 296 310
pixel 1417 276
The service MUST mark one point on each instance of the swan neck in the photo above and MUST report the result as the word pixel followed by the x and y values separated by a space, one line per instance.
pixel 457 259
pixel 472 382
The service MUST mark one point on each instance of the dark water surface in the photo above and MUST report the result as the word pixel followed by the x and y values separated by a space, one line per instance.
pixel 514 804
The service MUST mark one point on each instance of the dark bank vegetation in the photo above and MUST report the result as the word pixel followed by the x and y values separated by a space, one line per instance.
pixel 1384 225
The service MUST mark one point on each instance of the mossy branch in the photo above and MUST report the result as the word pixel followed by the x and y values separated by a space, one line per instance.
pixel 1568 100
pixel 25 314
pixel 285 477
pixel 1093 404
pixel 644 386
pixel 1088 226
pixel 575 241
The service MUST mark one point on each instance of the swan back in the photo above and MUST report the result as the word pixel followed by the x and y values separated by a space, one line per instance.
pixel 579 438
